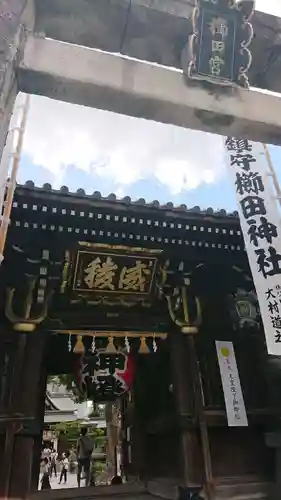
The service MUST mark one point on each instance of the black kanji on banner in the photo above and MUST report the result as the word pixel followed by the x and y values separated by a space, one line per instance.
pixel 269 262
pixel 262 230
pixel 273 299
pixel 249 183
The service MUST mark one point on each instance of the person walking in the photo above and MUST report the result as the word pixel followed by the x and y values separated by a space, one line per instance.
pixel 64 468
pixel 53 462
pixel 45 480
pixel 84 451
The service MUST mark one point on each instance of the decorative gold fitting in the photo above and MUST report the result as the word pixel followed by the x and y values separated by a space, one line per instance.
pixel 191 330
pixel 26 322
pixel 24 327
pixel 129 250
pixel 65 272
pixel 182 317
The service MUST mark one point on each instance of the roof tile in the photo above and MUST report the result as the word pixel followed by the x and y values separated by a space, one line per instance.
pixel 127 200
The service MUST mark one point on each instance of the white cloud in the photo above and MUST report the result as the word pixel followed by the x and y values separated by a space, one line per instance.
pixel 119 148
pixel 269 6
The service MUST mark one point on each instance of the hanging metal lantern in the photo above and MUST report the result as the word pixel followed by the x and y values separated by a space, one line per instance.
pixel 244 309
pixel 105 375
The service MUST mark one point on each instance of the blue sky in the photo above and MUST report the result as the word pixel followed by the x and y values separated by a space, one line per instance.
pixel 219 194
pixel 98 151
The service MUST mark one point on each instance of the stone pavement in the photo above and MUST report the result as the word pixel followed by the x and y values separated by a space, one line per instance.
pixel 71 482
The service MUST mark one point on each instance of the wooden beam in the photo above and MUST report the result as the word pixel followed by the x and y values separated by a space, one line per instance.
pixel 135 88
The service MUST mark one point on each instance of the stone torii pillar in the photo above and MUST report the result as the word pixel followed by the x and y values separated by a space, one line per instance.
pixel 16 21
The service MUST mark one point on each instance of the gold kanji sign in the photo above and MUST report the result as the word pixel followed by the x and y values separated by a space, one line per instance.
pixel 113 273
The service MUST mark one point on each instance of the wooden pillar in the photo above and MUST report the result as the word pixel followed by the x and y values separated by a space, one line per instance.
pixel 134 440
pixel 136 448
pixel 200 415
pixel 111 439
pixel 11 410
pixel 39 437
pixel 126 421
pixel 184 398
pixel 27 397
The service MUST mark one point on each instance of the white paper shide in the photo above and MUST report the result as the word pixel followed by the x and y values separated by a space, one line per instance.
pixel 260 223
pixel 233 397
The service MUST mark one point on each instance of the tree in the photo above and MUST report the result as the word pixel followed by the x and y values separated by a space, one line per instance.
pixel 71 431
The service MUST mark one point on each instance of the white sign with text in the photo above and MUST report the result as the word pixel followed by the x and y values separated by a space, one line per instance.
pixel 233 397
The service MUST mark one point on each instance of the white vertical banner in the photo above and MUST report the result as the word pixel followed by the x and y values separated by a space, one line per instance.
pixel 260 224
pixel 10 145
pixel 233 397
